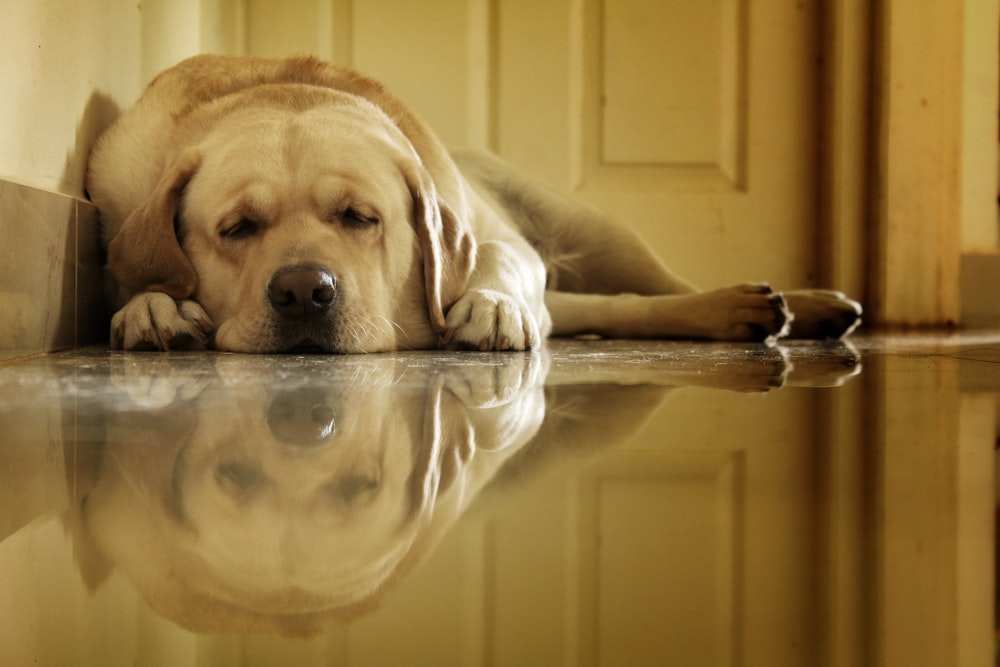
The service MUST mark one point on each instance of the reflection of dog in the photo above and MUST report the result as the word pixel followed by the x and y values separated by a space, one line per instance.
pixel 290 204
pixel 277 511
pixel 237 506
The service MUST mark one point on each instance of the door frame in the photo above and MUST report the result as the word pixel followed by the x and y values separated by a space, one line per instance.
pixel 845 189
pixel 909 178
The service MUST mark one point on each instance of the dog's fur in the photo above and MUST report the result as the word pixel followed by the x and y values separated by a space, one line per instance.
pixel 276 205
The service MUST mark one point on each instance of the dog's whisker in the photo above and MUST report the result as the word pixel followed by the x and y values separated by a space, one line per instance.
pixel 395 327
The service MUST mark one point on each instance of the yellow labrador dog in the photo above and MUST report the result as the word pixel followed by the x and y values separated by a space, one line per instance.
pixel 289 205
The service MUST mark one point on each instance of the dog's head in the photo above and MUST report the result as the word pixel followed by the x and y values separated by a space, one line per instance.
pixel 301 218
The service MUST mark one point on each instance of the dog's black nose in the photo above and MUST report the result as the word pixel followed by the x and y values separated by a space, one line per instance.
pixel 302 293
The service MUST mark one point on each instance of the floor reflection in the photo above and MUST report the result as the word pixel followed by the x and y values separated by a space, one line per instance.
pixel 784 508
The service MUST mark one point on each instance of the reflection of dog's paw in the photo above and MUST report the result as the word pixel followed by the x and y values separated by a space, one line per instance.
pixel 155 321
pixel 498 380
pixel 828 363
pixel 822 314
pixel 154 382
pixel 485 319
pixel 503 396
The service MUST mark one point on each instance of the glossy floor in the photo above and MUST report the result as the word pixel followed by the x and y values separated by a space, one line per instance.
pixel 599 503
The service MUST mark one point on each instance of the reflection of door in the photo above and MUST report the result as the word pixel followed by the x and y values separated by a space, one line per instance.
pixel 694 121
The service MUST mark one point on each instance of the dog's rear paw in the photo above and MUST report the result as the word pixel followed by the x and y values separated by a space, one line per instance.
pixel 485 319
pixel 822 314
pixel 155 321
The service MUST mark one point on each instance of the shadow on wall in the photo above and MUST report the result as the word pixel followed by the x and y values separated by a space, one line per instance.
pixel 99 114
pixel 90 313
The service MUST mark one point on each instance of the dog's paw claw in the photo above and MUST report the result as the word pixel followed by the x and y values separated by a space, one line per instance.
pixel 155 321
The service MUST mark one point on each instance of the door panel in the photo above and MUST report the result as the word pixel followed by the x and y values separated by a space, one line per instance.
pixel 725 185
pixel 669 85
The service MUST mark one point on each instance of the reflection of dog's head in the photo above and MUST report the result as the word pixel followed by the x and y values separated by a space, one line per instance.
pixel 278 511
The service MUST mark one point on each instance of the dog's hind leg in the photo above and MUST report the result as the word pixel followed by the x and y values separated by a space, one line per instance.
pixel 604 279
pixel 600 256
pixel 748 312
pixel 584 250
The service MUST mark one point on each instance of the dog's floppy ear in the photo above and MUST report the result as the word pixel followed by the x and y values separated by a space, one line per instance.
pixel 448 246
pixel 145 254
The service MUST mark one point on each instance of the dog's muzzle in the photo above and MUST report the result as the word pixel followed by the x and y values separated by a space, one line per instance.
pixel 303 300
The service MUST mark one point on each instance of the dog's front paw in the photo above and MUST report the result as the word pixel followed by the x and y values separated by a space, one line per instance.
pixel 485 319
pixel 155 321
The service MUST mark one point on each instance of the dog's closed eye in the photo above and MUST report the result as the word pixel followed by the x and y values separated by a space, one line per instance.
pixel 357 217
pixel 243 228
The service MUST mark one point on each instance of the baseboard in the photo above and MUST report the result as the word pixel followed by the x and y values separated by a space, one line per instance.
pixel 980 281
pixel 51 295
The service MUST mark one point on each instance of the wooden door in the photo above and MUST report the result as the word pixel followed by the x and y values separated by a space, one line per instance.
pixel 696 123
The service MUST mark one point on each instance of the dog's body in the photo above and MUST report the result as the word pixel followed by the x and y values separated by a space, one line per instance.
pixel 277 205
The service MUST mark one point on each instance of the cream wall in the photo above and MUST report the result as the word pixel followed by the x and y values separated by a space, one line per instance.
pixel 67 66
